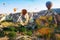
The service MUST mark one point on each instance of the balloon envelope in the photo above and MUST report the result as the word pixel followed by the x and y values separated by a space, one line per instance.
pixel 3 3
pixel 14 9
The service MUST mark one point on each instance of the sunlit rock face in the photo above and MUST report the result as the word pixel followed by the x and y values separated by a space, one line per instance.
pixel 14 17
pixel 1 16
pixel 17 15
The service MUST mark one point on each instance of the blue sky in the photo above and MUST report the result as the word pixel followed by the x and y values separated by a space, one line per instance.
pixel 30 5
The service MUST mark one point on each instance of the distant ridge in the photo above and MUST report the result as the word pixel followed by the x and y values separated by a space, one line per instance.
pixel 57 10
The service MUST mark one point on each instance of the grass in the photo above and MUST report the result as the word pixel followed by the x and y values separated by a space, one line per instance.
pixel 6 24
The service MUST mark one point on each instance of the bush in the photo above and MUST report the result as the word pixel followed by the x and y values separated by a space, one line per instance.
pixel 9 20
pixel 57 30
pixel 9 29
pixel 39 36
pixel 22 29
pixel 29 33
pixel 2 34
pixel 6 29
pixel 11 35
pixel 12 29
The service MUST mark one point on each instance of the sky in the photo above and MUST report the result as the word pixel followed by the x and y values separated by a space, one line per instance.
pixel 7 6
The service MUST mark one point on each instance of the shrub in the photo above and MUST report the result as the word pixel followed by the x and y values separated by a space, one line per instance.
pixel 12 35
pixel 9 20
pixel 9 29
pixel 46 32
pixel 22 29
pixel 39 36
pixel 2 34
pixel 12 29
pixel 29 33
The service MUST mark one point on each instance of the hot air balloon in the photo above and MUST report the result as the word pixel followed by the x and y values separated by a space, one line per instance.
pixel 14 9
pixel 3 3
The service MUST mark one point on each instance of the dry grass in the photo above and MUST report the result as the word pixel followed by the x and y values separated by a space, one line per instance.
pixel 6 24
pixel 44 31
pixel 4 38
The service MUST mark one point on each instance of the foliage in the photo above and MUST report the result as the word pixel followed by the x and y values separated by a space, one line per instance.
pixel 9 29
pixel 57 30
pixel 12 35
pixel 46 26
pixel 9 20
pixel 22 29
pixel 46 21
pixel 45 31
pixel 29 33
pixel 57 36
pixel 2 34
